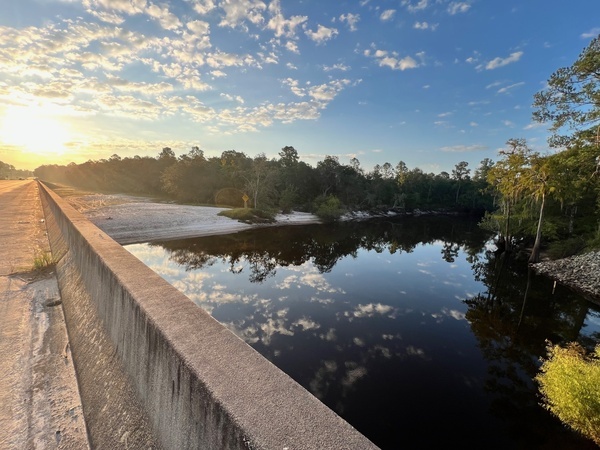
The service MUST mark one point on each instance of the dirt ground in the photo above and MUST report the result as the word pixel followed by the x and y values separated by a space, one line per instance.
pixel 131 220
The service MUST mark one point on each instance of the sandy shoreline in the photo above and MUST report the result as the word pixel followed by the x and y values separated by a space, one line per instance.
pixel 130 220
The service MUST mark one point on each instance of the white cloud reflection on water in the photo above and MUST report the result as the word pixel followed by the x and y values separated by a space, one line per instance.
pixel 338 329
pixel 261 318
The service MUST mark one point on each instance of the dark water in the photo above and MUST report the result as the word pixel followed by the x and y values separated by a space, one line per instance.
pixel 411 329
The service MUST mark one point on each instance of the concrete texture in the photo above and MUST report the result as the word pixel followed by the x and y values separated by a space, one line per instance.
pixel 195 383
pixel 39 398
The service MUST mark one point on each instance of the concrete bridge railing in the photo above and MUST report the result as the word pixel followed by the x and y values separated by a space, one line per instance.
pixel 156 371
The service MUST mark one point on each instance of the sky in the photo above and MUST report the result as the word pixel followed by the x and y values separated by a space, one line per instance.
pixel 427 82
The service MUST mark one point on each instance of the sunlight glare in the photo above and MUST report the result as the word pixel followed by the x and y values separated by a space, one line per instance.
pixel 34 129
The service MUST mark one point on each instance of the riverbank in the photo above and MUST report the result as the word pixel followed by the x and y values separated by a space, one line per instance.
pixel 581 273
pixel 130 220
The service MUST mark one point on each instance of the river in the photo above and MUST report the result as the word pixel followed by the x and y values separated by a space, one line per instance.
pixel 412 329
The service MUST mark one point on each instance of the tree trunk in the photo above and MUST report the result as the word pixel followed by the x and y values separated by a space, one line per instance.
pixel 535 252
pixel 572 212
pixel 507 227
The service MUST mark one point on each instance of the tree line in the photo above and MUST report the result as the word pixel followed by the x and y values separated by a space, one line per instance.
pixel 8 172
pixel 526 198
pixel 284 183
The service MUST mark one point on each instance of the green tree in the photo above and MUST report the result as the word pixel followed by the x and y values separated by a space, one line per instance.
pixel 460 173
pixel 506 177
pixel 571 102
pixel 260 179
pixel 537 184
pixel 329 174
pixel 288 156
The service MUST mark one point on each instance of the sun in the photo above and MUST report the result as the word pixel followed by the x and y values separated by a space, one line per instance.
pixel 34 129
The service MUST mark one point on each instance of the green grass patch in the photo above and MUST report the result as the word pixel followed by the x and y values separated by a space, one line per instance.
pixel 43 260
pixel 249 215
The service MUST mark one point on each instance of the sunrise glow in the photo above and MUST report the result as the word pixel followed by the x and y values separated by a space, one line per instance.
pixel 35 130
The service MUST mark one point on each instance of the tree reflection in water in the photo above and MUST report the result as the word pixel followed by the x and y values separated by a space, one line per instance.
pixel 369 317
pixel 512 321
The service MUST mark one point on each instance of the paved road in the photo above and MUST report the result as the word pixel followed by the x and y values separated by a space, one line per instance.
pixel 40 406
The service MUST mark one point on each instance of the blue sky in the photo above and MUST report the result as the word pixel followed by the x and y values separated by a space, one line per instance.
pixel 428 82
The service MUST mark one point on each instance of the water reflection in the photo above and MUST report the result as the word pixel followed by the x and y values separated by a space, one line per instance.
pixel 413 330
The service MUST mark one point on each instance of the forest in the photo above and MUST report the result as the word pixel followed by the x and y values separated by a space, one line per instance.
pixel 8 171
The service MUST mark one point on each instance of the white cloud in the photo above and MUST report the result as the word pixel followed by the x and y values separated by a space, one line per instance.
pixel 198 27
pixel 203 6
pixel 327 92
pixel 419 6
pixel 372 309
pixel 341 67
pixel 392 60
pixel 425 26
pixel 110 10
pixel 458 7
pixel 351 20
pixel 387 14
pixel 509 88
pixel 232 98
pixel 593 33
pixel 306 324
pixel 535 125
pixel 322 34
pixel 239 11
pixel 292 47
pixel 501 62
pixel 167 19
pixel 280 25
pixel 463 148
pixel 139 87
pixel 219 60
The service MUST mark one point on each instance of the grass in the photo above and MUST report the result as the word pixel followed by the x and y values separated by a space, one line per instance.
pixel 43 260
pixel 248 215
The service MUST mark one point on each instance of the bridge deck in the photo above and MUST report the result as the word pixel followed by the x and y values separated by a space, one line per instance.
pixel 39 398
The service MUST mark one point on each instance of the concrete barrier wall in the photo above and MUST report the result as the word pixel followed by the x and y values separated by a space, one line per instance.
pixel 156 371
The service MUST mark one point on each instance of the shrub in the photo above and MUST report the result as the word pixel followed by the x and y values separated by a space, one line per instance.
pixel 328 208
pixel 248 215
pixel 43 260
pixel 568 381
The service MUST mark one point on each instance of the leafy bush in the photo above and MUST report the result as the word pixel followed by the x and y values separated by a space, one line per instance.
pixel 568 381
pixel 328 208
pixel 248 215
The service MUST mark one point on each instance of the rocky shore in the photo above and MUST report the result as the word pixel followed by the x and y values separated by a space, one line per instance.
pixel 581 273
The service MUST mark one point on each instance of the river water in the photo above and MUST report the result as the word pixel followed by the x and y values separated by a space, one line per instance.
pixel 412 329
